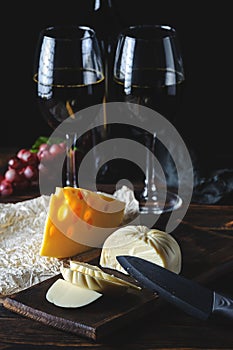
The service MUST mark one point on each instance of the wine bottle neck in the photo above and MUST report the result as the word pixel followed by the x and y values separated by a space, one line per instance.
pixel 105 20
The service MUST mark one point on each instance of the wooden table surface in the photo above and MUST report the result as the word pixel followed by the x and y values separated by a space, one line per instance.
pixel 205 235
pixel 206 238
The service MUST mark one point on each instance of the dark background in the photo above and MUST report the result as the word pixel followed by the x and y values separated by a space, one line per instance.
pixel 205 33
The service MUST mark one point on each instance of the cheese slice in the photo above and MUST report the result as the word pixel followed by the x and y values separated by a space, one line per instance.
pixel 92 277
pixel 150 244
pixel 79 220
pixel 65 294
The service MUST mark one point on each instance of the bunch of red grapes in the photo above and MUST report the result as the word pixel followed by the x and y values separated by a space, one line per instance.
pixel 23 168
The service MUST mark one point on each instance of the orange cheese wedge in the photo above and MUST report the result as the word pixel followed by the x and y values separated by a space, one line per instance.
pixel 79 220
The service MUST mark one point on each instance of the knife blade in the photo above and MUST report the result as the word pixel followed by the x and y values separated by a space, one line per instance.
pixel 193 298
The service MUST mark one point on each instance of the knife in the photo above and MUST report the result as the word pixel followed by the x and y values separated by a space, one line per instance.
pixel 191 297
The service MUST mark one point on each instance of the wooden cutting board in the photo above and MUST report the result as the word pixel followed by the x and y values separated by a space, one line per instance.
pixel 93 321
pixel 205 257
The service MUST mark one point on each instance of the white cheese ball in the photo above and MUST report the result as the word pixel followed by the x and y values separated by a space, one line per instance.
pixel 150 244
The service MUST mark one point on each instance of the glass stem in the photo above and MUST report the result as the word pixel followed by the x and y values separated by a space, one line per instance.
pixel 71 175
pixel 149 192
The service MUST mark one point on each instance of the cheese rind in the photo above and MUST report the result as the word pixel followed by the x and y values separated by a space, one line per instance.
pixel 150 244
pixel 65 294
pixel 79 220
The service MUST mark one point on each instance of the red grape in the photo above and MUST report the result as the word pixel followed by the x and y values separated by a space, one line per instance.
pixel 43 147
pixel 30 172
pixel 46 156
pixel 28 157
pixel 24 168
pixel 11 175
pixel 6 188
pixel 56 149
pixel 62 145
pixel 21 152
pixel 15 163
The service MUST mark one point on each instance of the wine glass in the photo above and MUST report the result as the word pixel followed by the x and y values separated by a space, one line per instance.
pixel 69 77
pixel 148 71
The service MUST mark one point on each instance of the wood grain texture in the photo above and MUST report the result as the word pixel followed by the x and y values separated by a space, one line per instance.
pixel 92 321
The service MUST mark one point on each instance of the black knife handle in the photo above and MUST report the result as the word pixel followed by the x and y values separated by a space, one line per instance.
pixel 222 306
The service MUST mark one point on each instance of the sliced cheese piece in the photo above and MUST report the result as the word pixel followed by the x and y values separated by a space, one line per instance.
pixel 150 244
pixel 95 271
pixel 92 277
pixel 65 294
pixel 79 220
